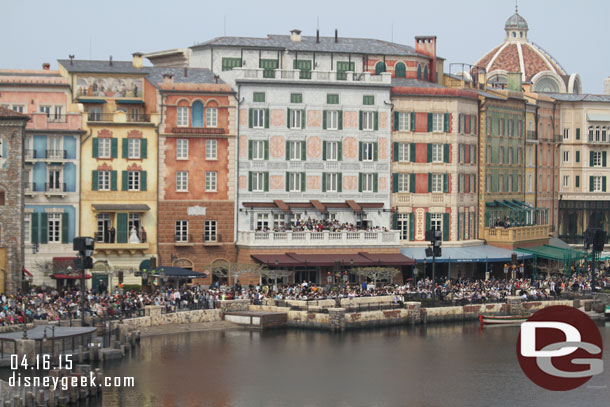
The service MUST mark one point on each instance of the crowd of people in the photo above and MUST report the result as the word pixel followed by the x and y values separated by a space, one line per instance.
pixel 320 225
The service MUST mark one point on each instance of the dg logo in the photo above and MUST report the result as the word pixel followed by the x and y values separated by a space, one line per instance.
pixel 560 348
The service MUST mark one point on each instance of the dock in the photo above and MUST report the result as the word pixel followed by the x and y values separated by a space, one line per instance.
pixel 257 319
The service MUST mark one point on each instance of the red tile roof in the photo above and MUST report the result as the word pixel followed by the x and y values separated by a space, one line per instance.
pixel 11 114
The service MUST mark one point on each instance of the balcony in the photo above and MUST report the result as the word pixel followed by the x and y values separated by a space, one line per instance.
pixel 55 188
pixel 513 237
pixel 305 75
pixel 102 247
pixel 56 154
pixel 29 188
pixel 199 130
pixel 531 135
pixel 117 117
pixel 52 155
pixel 51 121
pixel 319 239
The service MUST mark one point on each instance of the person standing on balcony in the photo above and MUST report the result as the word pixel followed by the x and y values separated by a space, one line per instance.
pixel 143 234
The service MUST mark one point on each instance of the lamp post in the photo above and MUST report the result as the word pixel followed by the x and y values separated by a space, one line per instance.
pixel 506 272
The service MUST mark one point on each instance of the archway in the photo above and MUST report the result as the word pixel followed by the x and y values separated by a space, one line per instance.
pixel 379 68
pixel 400 70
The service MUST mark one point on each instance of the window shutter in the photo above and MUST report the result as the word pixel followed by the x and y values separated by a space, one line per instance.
pixel 340 151
pixel 303 150
pixel 124 183
pixel 288 118
pixel 250 118
pixel 412 121
pixel 287 182
pixel 360 150
pixel 577 181
pixel 360 182
pixel 266 118
pixel 340 117
pixel 376 118
pixel 460 122
pixel 143 148
pixel 324 151
pixel 429 182
pixel 65 228
pixel 340 182
pixel 113 180
pixel 266 176
pixel 395 121
pixel 412 153
pixel 303 181
pixel 445 182
pixel 94 180
pixel 429 122
pixel 250 147
pixel 591 159
pixel 427 220
pixel 114 147
pixel 44 224
pixel 94 147
pixel 34 220
pixel 445 227
pixel 604 184
pixel 360 120
pixel 266 143
pixel 591 184
pixel 429 158
pixel 287 150
pixel 411 227
pixel 446 153
pixel 578 133
pixel 122 232
pixel 250 181
pixel 395 151
pixel 303 118
pixel 394 221
pixel 394 182
pixel 412 183
pixel 323 182
pixel 446 124
pixel 324 113
pixel 142 180
pixel 375 151
pixel 604 158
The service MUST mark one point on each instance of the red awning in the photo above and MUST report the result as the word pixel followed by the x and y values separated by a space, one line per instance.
pixel 328 260
pixel 388 259
pixel 276 260
pixel 27 273
pixel 69 276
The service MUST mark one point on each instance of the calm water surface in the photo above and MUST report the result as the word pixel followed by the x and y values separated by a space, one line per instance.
pixel 437 366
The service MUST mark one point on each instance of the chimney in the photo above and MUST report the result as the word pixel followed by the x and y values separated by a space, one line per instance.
pixel 336 35
pixel 71 59
pixel 186 72
pixel 168 77
pixel 426 45
pixel 295 35
pixel 46 66
pixel 317 36
pixel 216 77
pixel 137 60
pixel 110 62
pixel 607 86
pixel 514 81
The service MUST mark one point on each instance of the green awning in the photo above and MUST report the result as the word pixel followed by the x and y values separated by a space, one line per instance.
pixel 99 101
pixel 129 101
pixel 554 253
pixel 512 205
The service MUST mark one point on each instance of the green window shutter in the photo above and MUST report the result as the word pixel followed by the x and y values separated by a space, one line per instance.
pixel 323 182
pixel 113 180
pixel 445 227
pixel 395 121
pixel 250 181
pixel 340 182
pixel 376 121
pixel 359 182
pixel 445 182
pixel 395 151
pixel 44 224
pixel 144 148
pixel 604 184
pixel 324 113
pixel 266 143
pixel 266 176
pixel 287 150
pixel 124 179
pixel 114 147
pixel 94 147
pixel 604 158
pixel 578 133
pixel 446 123
pixel 266 118
pixel 122 232
pixel 446 153
pixel 394 221
pixel 65 228
pixel 287 181
pixel 340 151
pixel 250 118
pixel 429 122
pixel 303 151
pixel 340 116
pixel 324 151
pixel 429 183
pixel 375 151
pixel 360 150
pixel 429 158
pixel 412 183
pixel 142 180
pixel 303 181
pixel 34 221
pixel 411 227
pixel 250 142
pixel 427 220
pixel 94 180
pixel 304 119
pixel 412 121
pixel 591 184
pixel 360 120
pixel 591 153
pixel 288 118
pixel 412 153
pixel 394 182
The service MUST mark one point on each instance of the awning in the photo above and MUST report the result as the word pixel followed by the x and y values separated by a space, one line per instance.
pixel 177 273
pixel 62 263
pixel 318 205
pixel 554 253
pixel 129 101
pixel 468 254
pixel 353 205
pixel 144 265
pixel 27 273
pixel 69 276
pixel 121 207
pixel 596 117
pixel 329 260
pixel 280 260
pixel 281 204
pixel 99 101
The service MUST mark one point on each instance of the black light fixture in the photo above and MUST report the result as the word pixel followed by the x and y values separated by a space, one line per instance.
pixel 173 258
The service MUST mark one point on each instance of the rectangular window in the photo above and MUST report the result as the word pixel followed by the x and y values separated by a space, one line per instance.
pixel 133 148
pixel 332 150
pixel 566 156
pixel 368 120
pixel 182 181
pixel 404 121
pixel 209 233
pixel 437 153
pixel 133 180
pixel 294 181
pixel 258 97
pixel 211 148
pixel 211 117
pixel 332 99
pixel 183 116
pixel 404 152
pixel 18 108
pixel 262 221
pixel 403 182
pixel 597 183
pixel 54 180
pixel 436 183
pixel 368 100
pixel 597 158
pixel 103 180
pixel 27 229
pixel 295 150
pixel 296 117
pixel 279 220
pixel 230 63
pixel 210 181
pixel 182 231
pixel 566 133
pixel 577 156
pixel 182 149
pixel 332 182
pixel 436 221
pixel 54 227
pixel 368 151
pixel 296 98
pixel 437 122
pixel 566 181
pixel 332 120
pixel 45 109
pixel 258 149
pixel 258 118
pixel 577 180
pixel 368 182
pixel 402 223
pixel 258 181
pixel 104 147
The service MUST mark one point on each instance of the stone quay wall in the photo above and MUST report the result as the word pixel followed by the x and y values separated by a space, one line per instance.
pixel 154 317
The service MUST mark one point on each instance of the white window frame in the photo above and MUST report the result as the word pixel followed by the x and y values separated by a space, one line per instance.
pixel 133 148
pixel 403 182
pixel 182 181
pixel 182 149
pixel 258 149
pixel 279 220
pixel 368 121
pixel 597 159
pixel 27 228
pixel 436 184
pixel 295 150
pixel 332 151
pixel 402 224
pixel 332 120
pixel 368 151
pixel 104 147
pixel 296 117
pixel 404 122
pixel 211 149
pixel 210 231
pixel 437 153
pixel 332 182
pixel 597 183
pixel 258 118
pixel 566 156
pixel 183 116
pixel 54 228
pixel 262 221
pixel 211 178
pixel 368 182
pixel 133 180
pixel 103 181
pixel 566 181
pixel 294 182
pixel 404 152
pixel 181 232
pixel 258 182
pixel 211 117
pixel 436 221
pixel 438 122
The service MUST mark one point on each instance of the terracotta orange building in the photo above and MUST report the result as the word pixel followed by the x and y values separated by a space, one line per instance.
pixel 197 167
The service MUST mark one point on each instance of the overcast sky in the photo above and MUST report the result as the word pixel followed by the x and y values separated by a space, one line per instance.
pixel 574 32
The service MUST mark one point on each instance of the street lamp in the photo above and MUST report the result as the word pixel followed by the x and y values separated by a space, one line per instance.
pixel 521 270
pixel 506 271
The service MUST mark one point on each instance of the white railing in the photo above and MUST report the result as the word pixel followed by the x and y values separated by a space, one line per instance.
pixel 313 75
pixel 325 238
pixel 403 198
pixel 437 198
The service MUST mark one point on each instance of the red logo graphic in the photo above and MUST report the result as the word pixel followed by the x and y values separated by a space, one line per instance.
pixel 560 348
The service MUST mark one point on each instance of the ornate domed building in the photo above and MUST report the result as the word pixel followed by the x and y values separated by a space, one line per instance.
pixel 540 71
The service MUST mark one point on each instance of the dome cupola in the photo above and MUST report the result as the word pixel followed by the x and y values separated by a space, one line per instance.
pixel 516 27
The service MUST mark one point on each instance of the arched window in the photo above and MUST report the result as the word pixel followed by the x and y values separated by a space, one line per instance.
pixel 426 73
pixel 197 114
pixel 379 68
pixel 418 71
pixel 400 70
